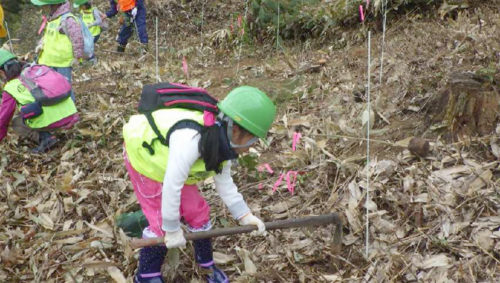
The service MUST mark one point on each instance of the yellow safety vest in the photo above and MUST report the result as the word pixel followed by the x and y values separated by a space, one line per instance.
pixel 57 49
pixel 50 114
pixel 88 18
pixel 137 131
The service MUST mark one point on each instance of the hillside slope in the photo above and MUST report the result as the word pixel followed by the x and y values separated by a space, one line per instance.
pixel 431 219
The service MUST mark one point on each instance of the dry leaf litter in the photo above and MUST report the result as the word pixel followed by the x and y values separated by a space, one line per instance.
pixel 431 219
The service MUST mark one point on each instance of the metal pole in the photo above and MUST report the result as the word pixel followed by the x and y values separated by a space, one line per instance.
pixel 368 108
pixel 157 67
pixel 8 35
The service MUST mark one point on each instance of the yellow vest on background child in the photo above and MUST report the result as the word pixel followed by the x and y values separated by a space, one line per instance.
pixel 88 18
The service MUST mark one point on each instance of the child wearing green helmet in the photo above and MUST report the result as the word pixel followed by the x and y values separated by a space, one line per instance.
pixel 62 44
pixel 198 146
pixel 91 16
pixel 62 115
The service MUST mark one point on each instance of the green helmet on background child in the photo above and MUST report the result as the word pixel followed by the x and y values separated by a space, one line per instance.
pixel 250 108
pixel 5 56
pixel 78 3
pixel 47 2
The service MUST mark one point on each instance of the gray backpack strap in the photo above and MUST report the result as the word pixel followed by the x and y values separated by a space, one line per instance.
pixel 65 27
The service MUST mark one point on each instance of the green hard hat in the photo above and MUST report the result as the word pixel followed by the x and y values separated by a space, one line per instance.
pixel 77 3
pixel 47 2
pixel 5 56
pixel 250 108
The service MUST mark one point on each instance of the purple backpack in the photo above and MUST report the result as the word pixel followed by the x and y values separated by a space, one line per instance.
pixel 47 86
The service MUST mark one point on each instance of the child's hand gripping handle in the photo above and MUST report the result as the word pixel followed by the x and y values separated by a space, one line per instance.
pixel 280 224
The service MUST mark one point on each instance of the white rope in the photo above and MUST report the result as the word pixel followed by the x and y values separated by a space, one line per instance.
pixel 241 40
pixel 8 35
pixel 278 29
pixel 384 11
pixel 202 20
pixel 368 109
pixel 157 57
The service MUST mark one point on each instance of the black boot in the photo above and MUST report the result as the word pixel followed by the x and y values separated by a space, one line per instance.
pixel 120 48
pixel 205 259
pixel 150 262
pixel 46 142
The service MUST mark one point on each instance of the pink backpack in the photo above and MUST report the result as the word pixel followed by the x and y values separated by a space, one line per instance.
pixel 47 86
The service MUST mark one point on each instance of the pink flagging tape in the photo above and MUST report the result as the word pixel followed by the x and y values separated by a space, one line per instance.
pixel 240 25
pixel 361 13
pixel 296 139
pixel 185 66
pixel 291 178
pixel 42 27
pixel 261 186
pixel 278 182
pixel 266 167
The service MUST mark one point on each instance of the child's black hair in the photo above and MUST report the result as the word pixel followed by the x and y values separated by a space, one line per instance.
pixel 86 6
pixel 209 147
pixel 214 145
pixel 12 69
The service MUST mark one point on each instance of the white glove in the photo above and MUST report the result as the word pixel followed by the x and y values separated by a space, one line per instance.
pixel 175 239
pixel 39 46
pixel 75 62
pixel 133 13
pixel 250 219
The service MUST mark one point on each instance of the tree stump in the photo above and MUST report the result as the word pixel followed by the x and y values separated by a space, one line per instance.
pixel 470 105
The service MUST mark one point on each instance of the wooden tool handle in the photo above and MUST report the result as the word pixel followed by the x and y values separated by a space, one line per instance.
pixel 280 224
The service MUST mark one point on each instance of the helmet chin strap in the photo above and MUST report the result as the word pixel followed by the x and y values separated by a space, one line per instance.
pixel 230 124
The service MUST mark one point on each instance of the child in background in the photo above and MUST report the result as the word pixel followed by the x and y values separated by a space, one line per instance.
pixel 62 45
pixel 134 12
pixel 91 16
pixel 62 115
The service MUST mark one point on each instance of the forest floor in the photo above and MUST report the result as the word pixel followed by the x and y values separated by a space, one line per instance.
pixel 431 219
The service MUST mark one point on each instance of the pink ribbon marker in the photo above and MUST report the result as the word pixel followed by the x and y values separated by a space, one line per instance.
pixel 278 182
pixel 240 20
pixel 296 139
pixel 361 13
pixel 261 186
pixel 42 27
pixel 268 168
pixel 290 183
pixel 185 67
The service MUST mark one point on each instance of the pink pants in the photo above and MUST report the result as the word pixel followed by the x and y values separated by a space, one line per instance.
pixel 194 210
